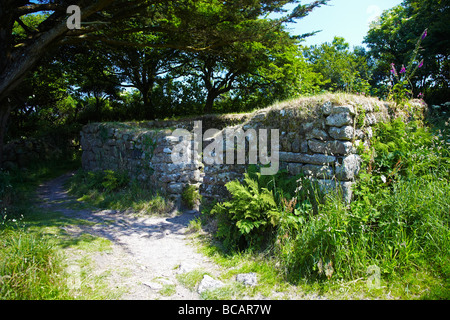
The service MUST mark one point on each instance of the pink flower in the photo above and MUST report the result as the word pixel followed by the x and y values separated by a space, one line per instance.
pixel 424 34
pixel 393 69
pixel 403 70
pixel 420 64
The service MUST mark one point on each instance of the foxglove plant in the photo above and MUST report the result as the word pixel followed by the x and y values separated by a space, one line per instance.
pixel 399 92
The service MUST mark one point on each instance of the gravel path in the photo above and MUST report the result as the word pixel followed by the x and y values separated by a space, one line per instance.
pixel 145 251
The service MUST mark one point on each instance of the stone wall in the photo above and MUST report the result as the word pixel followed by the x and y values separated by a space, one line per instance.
pixel 21 153
pixel 318 136
pixel 144 150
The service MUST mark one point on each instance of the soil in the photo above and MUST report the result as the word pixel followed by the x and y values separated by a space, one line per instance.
pixel 146 252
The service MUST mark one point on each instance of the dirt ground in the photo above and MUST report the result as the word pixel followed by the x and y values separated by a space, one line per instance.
pixel 146 252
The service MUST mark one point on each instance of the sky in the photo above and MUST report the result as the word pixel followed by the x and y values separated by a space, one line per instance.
pixel 349 19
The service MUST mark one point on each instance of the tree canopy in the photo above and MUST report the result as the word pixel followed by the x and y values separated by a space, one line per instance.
pixel 392 39
pixel 219 29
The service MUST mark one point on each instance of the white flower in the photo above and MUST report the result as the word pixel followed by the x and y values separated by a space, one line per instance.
pixel 383 178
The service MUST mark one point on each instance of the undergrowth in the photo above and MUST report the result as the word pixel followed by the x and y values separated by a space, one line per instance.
pixel 31 267
pixel 395 230
pixel 114 190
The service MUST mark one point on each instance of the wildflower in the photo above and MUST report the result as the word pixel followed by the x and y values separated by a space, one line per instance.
pixel 420 64
pixel 403 70
pixel 393 69
pixel 424 34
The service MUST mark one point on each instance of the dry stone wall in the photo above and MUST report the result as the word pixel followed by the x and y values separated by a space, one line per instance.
pixel 318 136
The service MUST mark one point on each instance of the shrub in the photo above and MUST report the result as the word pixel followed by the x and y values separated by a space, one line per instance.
pixel 398 220
pixel 262 207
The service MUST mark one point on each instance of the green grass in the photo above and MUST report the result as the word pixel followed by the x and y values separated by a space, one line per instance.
pixel 30 267
pixel 192 278
pixel 34 242
pixel 100 190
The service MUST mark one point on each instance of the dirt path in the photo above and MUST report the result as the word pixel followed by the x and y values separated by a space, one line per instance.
pixel 145 251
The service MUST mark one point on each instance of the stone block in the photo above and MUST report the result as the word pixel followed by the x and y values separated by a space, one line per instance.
pixel 294 168
pixel 335 147
pixel 343 133
pixel 175 188
pixel 339 119
pixel 344 188
pixel 306 158
pixel 317 134
pixel 349 168
pixel 317 171
pixel 343 109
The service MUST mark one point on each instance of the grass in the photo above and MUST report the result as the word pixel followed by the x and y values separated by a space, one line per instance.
pixel 100 189
pixel 36 245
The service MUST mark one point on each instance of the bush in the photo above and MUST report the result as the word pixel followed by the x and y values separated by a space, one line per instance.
pixel 398 220
pixel 260 207
pixel 248 219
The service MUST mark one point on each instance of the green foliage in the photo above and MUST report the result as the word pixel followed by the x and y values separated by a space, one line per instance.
pixel 399 92
pixel 248 219
pixel 342 70
pixel 392 39
pixel 113 181
pixel 401 193
pixel 398 220
pixel 30 267
pixel 114 190
pixel 260 207
pixel 190 196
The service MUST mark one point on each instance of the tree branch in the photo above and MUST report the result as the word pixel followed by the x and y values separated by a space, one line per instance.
pixel 20 11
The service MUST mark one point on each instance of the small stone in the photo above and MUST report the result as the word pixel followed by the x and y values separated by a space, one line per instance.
pixel 248 279
pixel 209 283
pixel 326 108
pixel 153 286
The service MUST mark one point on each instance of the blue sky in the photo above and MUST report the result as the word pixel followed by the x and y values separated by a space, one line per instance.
pixel 345 18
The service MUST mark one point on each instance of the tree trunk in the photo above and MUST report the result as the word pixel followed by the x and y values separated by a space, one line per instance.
pixel 5 111
pixel 148 112
pixel 212 95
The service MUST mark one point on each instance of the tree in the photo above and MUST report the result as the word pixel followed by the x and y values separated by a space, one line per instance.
pixel 392 39
pixel 195 26
pixel 341 69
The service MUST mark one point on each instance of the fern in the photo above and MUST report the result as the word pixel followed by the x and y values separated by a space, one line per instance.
pixel 248 219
